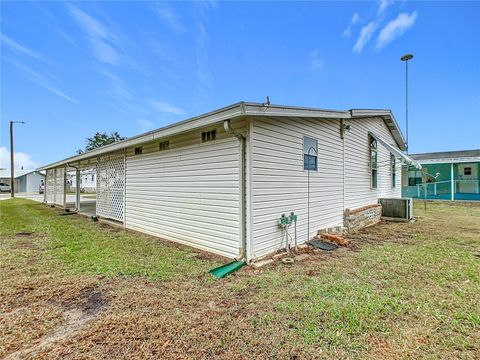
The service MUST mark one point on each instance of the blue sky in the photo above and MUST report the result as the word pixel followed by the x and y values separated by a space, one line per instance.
pixel 73 68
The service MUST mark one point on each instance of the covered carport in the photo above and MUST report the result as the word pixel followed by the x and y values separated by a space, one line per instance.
pixel 109 198
pixel 57 190
pixel 78 201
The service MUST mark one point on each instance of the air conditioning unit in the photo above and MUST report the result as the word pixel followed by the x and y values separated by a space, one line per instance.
pixel 397 208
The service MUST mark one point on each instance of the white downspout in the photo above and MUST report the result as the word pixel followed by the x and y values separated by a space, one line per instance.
pixel 242 181
pixel 452 182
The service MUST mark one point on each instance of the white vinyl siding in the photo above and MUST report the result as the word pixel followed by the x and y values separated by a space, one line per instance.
pixel 279 181
pixel 188 194
pixel 358 191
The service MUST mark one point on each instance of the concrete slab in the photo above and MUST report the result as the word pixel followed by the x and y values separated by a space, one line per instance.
pixel 262 263
pixel 301 257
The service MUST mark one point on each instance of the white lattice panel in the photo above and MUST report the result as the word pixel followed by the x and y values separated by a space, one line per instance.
pixel 111 185
pixel 59 186
pixel 50 186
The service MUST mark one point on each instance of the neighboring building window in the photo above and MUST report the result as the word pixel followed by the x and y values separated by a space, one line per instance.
pixel 467 171
pixel 92 177
pixel 138 150
pixel 414 177
pixel 209 135
pixel 310 154
pixel 393 169
pixel 163 145
pixel 373 162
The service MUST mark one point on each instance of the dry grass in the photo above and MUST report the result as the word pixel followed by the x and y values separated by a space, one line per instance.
pixel 399 291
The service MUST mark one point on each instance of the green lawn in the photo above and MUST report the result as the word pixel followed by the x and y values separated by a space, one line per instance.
pixel 399 291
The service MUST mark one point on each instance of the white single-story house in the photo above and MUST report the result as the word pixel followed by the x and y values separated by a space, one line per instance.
pixel 88 180
pixel 221 181
pixel 25 180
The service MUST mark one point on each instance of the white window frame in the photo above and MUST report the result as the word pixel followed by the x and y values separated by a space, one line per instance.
pixel 314 154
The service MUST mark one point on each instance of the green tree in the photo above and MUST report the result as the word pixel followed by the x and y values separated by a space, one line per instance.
pixel 99 140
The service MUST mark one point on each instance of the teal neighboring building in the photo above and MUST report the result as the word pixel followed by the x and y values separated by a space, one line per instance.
pixel 458 177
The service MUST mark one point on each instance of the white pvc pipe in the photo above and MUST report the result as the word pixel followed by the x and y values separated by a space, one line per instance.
pixel 452 182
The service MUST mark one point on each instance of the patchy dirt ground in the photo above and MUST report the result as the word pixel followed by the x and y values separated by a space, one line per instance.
pixel 398 291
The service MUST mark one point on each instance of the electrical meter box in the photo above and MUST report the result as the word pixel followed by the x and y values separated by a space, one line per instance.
pixel 293 217
pixel 284 220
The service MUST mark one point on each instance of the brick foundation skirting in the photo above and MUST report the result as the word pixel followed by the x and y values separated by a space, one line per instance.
pixel 356 219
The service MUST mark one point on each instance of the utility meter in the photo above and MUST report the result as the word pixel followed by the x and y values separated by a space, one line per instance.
pixel 293 217
pixel 283 221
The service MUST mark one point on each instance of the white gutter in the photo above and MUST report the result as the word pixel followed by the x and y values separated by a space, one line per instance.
pixel 405 158
pixel 229 112
pixel 234 111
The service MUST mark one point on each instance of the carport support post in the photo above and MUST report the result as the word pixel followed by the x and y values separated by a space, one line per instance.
pixel 77 189
pixel 65 188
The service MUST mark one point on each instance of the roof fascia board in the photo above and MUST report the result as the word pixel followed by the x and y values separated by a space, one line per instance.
pixel 448 161
pixel 231 112
pixel 389 120
pixel 177 128
pixel 253 109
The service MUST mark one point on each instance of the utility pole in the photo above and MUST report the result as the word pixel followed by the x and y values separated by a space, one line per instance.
pixel 12 166
pixel 405 58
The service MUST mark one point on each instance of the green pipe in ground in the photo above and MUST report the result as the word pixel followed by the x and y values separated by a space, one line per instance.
pixel 226 269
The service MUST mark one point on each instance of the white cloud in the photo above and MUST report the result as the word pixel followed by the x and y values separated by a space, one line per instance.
pixel 101 38
pixel 204 76
pixel 383 5
pixel 41 81
pixel 348 31
pixel 316 61
pixel 165 107
pixel 145 124
pixel 365 36
pixel 167 15
pixel 20 159
pixel 20 49
pixel 395 28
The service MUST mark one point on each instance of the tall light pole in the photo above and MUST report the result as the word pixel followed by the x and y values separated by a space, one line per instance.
pixel 12 166
pixel 405 58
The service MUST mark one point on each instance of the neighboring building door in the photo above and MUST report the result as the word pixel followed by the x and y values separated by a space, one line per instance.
pixel 467 180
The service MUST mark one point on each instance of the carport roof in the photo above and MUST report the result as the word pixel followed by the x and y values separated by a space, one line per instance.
pixel 239 110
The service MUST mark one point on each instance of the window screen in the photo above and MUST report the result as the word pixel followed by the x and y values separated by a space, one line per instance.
pixel 393 165
pixel 310 155
pixel 373 162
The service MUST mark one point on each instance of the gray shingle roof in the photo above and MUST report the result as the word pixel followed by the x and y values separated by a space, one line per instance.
pixel 447 155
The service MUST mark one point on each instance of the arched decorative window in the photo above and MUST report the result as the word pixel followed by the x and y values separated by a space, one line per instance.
pixel 310 154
